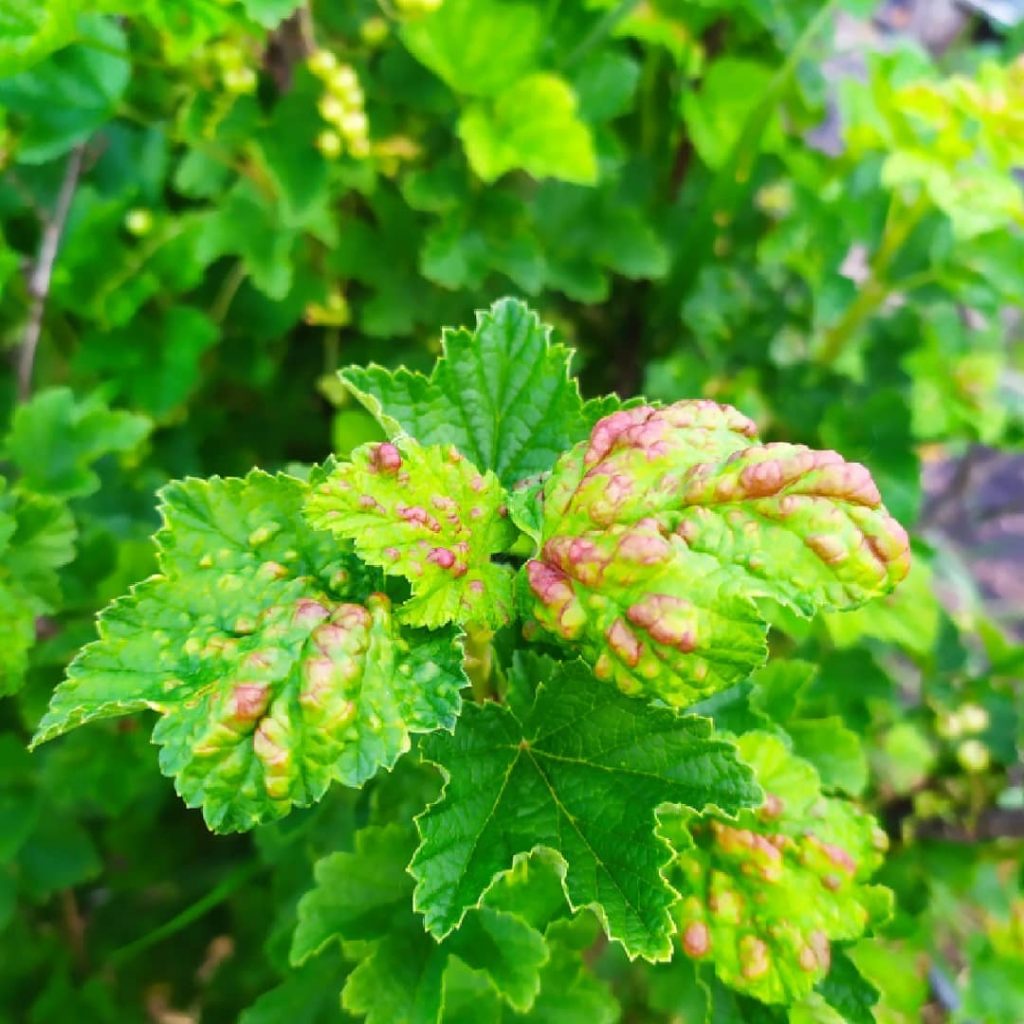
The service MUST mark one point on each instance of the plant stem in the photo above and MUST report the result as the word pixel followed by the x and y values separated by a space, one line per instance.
pixel 217 895
pixel 899 223
pixel 479 661
pixel 605 26
pixel 42 272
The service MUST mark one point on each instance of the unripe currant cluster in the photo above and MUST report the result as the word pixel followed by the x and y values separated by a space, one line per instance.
pixel 967 720
pixel 234 67
pixel 342 107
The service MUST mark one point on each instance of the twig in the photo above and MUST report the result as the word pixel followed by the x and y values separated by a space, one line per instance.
pixel 42 272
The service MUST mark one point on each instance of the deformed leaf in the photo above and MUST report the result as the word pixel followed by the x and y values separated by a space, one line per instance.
pixel 366 896
pixel 427 514
pixel 578 769
pixel 274 665
pixel 502 394
pixel 665 530
pixel 765 896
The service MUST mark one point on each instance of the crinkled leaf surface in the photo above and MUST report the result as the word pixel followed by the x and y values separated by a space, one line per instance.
pixel 55 439
pixel 275 667
pixel 366 895
pixel 427 514
pixel 764 897
pixel 502 394
pixel 578 769
pixel 663 532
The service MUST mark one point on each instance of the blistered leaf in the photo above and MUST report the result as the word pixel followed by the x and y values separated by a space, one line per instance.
pixel 55 439
pixel 274 665
pixel 664 531
pixel 578 769
pixel 502 394
pixel 427 514
pixel 765 896
pixel 366 895
pixel 532 125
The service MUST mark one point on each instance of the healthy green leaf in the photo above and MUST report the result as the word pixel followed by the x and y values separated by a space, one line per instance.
pixel 581 770
pixel 55 439
pixel 478 47
pixel 502 394
pixel 531 125
pixel 427 514
pixel 845 988
pixel 28 32
pixel 366 896
pixel 275 667
pixel 664 531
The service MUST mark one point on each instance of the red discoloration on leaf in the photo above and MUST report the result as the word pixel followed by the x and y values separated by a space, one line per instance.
pixel 696 939
pixel 669 620
pixel 419 515
pixel 624 642
pixel 441 557
pixel 386 458
pixel 250 700
pixel 309 612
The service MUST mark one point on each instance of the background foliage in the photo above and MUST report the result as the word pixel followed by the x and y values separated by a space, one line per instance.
pixel 207 207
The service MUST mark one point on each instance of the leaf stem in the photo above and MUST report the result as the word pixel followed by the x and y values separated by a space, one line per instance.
pixel 899 223
pixel 479 661
pixel 217 895
pixel 42 272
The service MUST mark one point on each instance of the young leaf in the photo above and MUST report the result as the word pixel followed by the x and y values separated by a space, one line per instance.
pixel 665 529
pixel 37 537
pixel 427 514
pixel 533 125
pixel 579 770
pixel 276 668
pixel 764 897
pixel 502 394
pixel 55 439
pixel 366 896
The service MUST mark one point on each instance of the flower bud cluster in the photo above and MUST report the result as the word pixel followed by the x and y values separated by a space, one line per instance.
pixel 342 107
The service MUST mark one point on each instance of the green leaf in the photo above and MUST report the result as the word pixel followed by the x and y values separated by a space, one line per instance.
pixel 28 32
pixel 366 896
pixel 846 989
pixel 764 896
pixel 569 992
pixel 67 97
pixel 275 668
pixel 55 439
pixel 270 13
pixel 478 47
pixel 37 537
pixel 308 995
pixel 663 533
pixel 580 770
pixel 502 394
pixel 531 125
pixel 428 515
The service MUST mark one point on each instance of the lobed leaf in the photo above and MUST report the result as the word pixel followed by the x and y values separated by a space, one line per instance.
pixel 765 896
pixel 666 532
pixel 581 770
pixel 427 514
pixel 502 394
pixel 365 896
pixel 274 665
